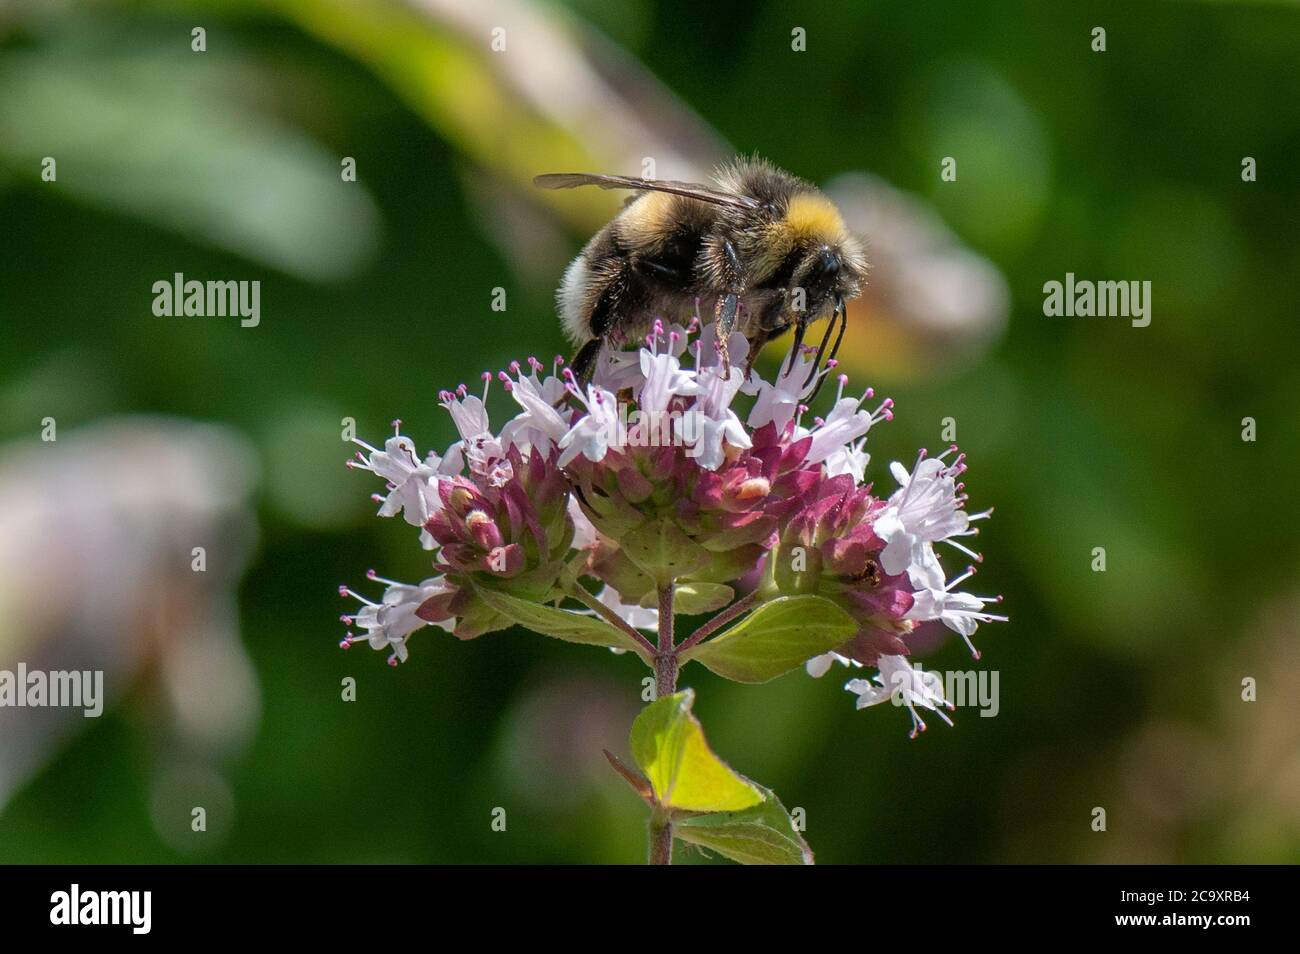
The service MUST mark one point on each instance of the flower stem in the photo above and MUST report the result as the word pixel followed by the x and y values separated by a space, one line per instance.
pixel 666 655
pixel 738 608
pixel 661 825
pixel 581 594
pixel 661 838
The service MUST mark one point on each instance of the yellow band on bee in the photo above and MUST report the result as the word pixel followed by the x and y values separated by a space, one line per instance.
pixel 810 215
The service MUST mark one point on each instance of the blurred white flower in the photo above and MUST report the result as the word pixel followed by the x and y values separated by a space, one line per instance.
pixel 134 532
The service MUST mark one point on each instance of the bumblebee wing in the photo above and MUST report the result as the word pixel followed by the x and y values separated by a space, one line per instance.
pixel 691 190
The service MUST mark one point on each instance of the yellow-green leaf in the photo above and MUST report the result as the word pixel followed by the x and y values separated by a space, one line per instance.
pixel 669 747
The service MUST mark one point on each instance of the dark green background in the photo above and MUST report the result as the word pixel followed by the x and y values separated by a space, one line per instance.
pixel 1082 433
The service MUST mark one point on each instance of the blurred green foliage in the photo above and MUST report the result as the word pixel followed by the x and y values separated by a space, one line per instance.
pixel 1083 433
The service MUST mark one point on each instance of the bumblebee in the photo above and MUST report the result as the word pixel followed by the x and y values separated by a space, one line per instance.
pixel 764 250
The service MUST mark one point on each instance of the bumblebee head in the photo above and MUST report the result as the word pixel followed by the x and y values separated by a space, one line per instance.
pixel 824 267
pixel 825 261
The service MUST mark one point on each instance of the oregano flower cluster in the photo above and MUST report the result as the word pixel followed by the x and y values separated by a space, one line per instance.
pixel 674 482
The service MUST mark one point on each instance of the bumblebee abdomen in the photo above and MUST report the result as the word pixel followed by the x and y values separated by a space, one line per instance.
pixel 637 268
pixel 655 219
pixel 572 303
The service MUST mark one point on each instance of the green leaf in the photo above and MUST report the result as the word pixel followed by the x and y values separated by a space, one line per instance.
pixel 560 623
pixel 669 747
pixel 664 551
pixel 694 597
pixel 760 835
pixel 775 638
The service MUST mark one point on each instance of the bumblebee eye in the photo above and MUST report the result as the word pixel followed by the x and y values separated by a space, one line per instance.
pixel 828 262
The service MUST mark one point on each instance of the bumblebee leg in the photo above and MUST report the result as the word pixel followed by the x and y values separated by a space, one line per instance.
pixel 584 362
pixel 843 310
pixel 840 314
pixel 821 352
pixel 728 306
pixel 611 285
pixel 759 342
pixel 733 260
pixel 662 271
pixel 800 327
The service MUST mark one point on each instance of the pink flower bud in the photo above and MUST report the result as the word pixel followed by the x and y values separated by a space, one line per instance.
pixel 505 561
pixel 483 530
pixel 755 488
